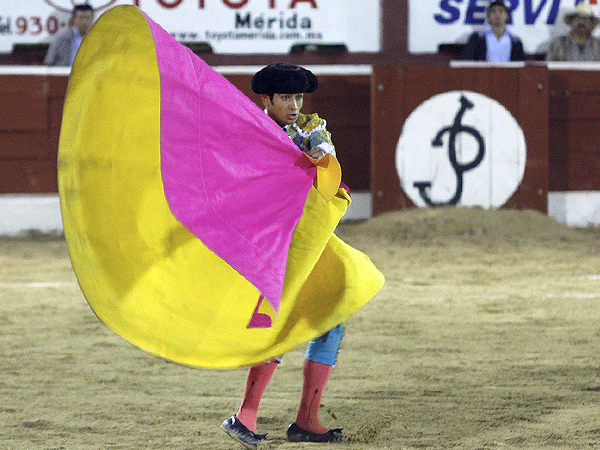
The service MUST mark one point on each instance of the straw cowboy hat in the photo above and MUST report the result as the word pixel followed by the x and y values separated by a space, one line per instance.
pixel 582 10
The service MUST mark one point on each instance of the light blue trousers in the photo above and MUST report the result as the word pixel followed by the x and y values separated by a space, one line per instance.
pixel 326 347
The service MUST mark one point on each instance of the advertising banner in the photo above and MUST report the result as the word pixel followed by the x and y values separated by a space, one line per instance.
pixel 536 22
pixel 229 26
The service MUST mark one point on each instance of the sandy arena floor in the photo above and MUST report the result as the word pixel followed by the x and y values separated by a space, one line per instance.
pixel 485 336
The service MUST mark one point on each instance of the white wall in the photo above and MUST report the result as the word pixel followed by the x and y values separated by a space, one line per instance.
pixel 575 209
pixel 23 214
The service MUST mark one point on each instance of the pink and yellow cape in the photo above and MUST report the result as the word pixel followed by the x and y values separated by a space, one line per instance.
pixel 194 225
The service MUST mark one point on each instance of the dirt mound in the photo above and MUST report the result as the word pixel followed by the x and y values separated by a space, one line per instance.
pixel 467 224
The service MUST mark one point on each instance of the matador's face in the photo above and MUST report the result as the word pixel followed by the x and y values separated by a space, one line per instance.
pixel 284 108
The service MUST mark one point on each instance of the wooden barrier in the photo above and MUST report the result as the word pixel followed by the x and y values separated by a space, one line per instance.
pixel 32 100
pixel 397 91
pixel 557 105
pixel 574 124
pixel 29 129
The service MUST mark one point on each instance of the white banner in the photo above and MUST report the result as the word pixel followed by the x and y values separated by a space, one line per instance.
pixel 229 26
pixel 536 22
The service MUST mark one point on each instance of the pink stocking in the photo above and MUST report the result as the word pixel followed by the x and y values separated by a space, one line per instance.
pixel 315 379
pixel 258 379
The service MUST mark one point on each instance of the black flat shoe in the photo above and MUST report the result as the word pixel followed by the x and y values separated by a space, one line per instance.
pixel 297 434
pixel 238 431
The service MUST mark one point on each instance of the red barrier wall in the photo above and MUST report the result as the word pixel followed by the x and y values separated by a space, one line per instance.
pixel 558 109
pixel 397 91
pixel 29 129
pixel 32 111
pixel 574 119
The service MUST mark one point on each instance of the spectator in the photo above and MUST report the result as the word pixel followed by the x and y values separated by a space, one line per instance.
pixel 579 44
pixel 63 49
pixel 494 43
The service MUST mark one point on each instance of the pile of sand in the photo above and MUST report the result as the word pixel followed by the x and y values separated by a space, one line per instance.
pixel 417 225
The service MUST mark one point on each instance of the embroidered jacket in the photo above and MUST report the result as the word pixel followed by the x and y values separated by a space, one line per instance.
pixel 309 131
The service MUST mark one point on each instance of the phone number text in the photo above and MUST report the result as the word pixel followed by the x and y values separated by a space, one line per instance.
pixel 31 25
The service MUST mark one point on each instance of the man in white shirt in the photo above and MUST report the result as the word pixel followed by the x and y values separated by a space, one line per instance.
pixel 494 43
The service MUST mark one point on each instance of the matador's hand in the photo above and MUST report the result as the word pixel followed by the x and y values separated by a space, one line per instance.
pixel 316 153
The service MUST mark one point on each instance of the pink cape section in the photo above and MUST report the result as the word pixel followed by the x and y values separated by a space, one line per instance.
pixel 231 175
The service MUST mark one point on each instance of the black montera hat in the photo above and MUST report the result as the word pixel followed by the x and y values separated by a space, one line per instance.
pixel 283 78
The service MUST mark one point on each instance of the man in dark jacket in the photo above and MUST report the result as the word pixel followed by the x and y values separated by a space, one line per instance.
pixel 494 43
pixel 63 49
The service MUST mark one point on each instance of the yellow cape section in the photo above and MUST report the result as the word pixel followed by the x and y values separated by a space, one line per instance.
pixel 145 275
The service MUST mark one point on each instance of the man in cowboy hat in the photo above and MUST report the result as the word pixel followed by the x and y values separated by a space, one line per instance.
pixel 281 88
pixel 494 42
pixel 579 44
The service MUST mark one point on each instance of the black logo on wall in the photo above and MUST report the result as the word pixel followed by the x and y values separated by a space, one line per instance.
pixel 459 168
pixel 460 148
